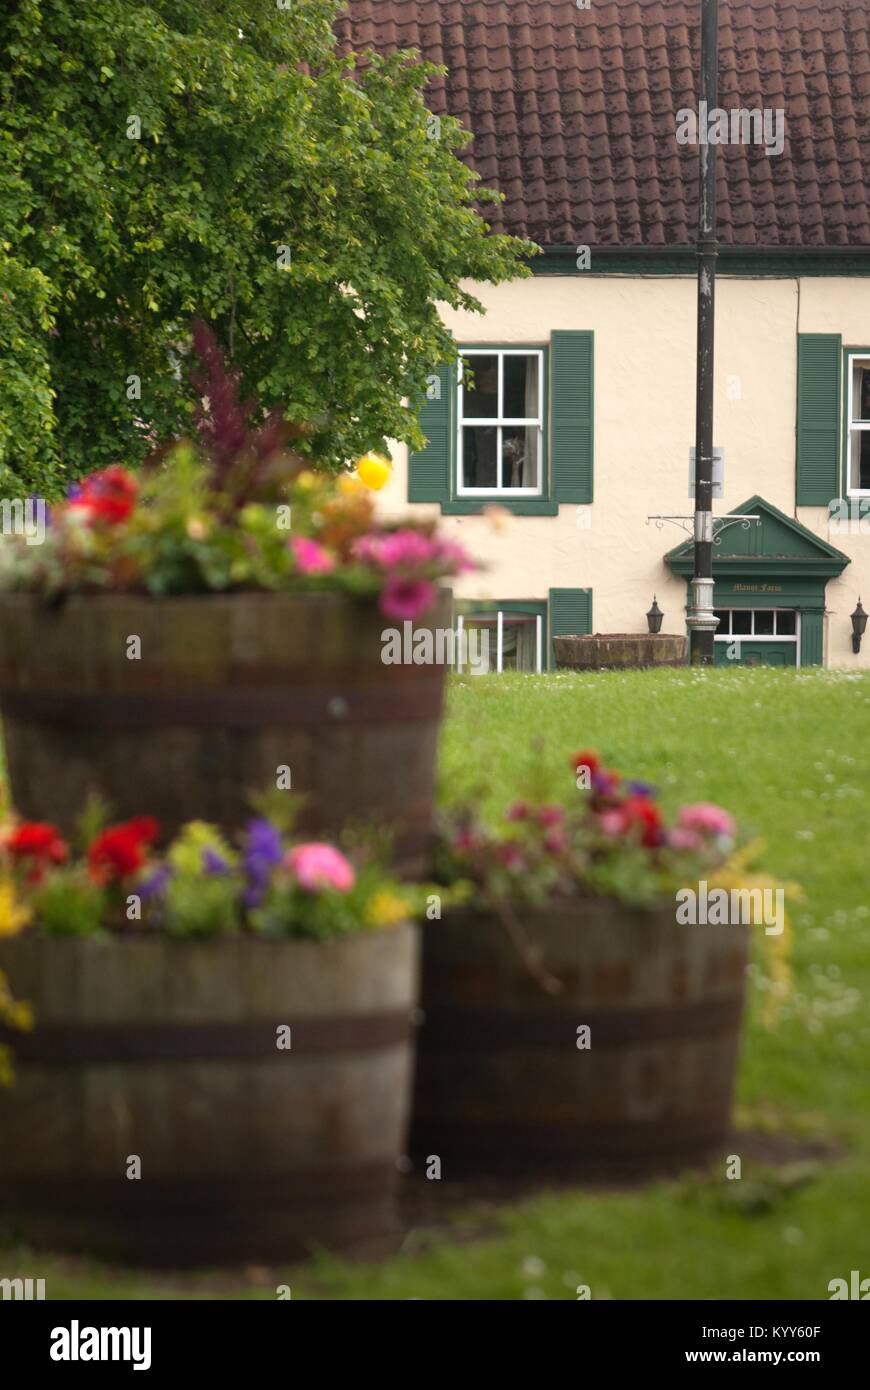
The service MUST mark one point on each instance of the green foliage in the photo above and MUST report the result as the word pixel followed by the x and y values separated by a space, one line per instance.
pixel 247 142
pixel 69 903
pixel 195 905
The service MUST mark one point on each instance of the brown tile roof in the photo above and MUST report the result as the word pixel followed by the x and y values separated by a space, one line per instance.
pixel 573 113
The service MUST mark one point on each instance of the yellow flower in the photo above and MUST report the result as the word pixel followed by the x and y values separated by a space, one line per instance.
pixel 307 480
pixel 12 916
pixel 386 909
pixel 349 485
pixel 374 470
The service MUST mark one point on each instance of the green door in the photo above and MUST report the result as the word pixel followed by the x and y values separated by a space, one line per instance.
pixel 756 653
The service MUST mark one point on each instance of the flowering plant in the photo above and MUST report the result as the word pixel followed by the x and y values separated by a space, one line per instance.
pixel 613 840
pixel 269 883
pixel 239 508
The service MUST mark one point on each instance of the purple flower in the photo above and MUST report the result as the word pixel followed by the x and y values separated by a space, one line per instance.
pixel 642 789
pixel 214 863
pixel 154 886
pixel 262 853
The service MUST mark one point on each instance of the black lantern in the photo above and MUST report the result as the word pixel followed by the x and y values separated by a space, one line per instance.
pixel 655 615
pixel 859 623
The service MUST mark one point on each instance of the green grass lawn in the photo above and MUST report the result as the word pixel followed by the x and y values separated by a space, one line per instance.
pixel 789 753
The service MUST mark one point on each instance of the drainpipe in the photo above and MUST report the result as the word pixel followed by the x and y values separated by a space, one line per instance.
pixel 701 621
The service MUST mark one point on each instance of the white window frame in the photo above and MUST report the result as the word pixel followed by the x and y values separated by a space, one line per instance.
pixel 499 641
pixel 774 636
pixel 499 422
pixel 858 427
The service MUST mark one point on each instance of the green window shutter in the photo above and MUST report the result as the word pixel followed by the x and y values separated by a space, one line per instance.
pixel 570 615
pixel 429 470
pixel 811 637
pixel 571 394
pixel 818 419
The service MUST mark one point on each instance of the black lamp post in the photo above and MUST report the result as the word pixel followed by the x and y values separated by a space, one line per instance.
pixel 655 615
pixel 859 624
pixel 702 622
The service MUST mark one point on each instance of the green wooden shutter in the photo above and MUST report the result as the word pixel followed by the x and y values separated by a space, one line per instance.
pixel 818 419
pixel 570 615
pixel 811 637
pixel 571 394
pixel 429 470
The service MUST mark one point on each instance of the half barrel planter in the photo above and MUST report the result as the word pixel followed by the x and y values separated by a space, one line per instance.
pixel 620 651
pixel 225 690
pixel 167 1051
pixel 502 1086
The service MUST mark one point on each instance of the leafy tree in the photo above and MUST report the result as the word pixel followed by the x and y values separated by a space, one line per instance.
pixel 163 158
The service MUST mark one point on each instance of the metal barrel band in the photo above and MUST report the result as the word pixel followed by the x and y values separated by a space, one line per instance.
pixel 503 1143
pixel 460 1028
pixel 66 1045
pixel 204 1193
pixel 241 708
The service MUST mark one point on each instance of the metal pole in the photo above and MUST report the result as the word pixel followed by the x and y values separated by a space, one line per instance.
pixel 701 622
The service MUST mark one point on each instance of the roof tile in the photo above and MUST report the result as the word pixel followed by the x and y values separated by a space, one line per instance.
pixel 573 113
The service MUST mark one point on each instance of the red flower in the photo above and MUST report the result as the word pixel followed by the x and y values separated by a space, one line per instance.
pixel 37 840
pixel 550 815
pixel 109 495
pixel 640 811
pixel 120 850
pixel 511 856
pixel 586 759
pixel 518 810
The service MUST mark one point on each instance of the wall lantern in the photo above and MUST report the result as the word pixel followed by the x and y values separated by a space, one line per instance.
pixel 655 615
pixel 859 623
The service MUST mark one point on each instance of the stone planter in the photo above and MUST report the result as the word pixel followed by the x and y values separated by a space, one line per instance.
pixel 226 689
pixel 168 1051
pixel 503 1085
pixel 618 651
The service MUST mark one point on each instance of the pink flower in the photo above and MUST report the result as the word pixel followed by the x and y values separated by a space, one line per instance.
pixel 318 866
pixel 683 839
pixel 407 598
pixel 310 556
pixel 453 558
pixel 555 842
pixel 612 823
pixel 405 549
pixel 550 815
pixel 518 810
pixel 708 818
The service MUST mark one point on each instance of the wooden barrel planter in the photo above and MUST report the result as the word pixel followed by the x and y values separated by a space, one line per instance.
pixel 620 651
pixel 168 1051
pixel 503 1086
pixel 225 690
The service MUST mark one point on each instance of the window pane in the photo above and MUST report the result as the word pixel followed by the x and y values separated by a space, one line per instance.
pixel 741 622
pixel 786 624
pixel 764 622
pixel 861 390
pixel 480 388
pixel 479 449
pixel 723 615
pixel 520 388
pixel 519 456
pixel 519 643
